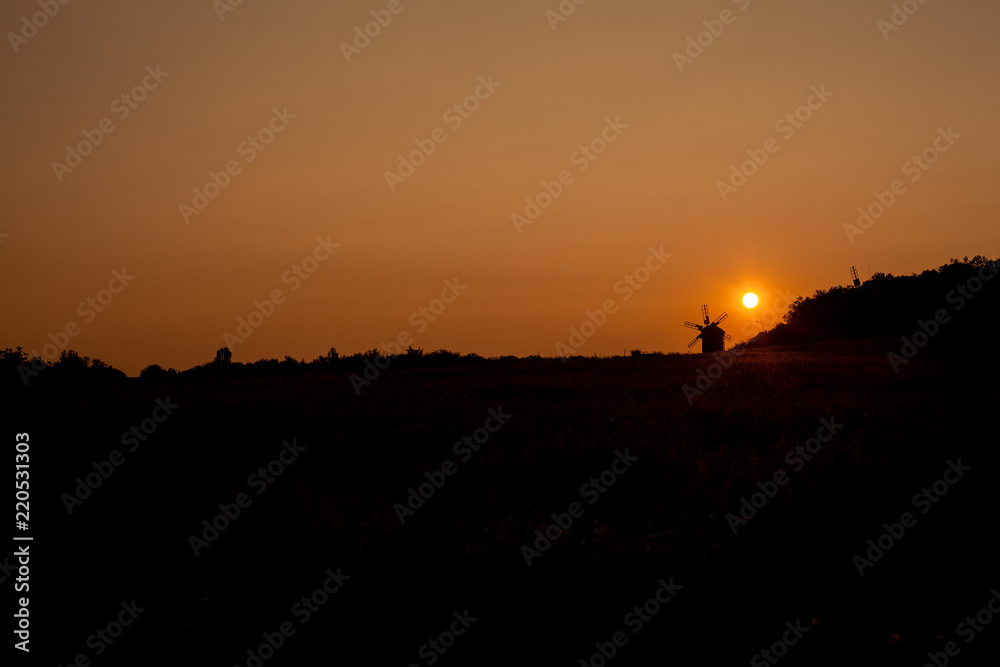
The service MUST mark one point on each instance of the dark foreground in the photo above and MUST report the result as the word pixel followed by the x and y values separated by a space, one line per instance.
pixel 663 519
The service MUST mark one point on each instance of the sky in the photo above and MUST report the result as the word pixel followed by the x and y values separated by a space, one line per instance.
pixel 273 149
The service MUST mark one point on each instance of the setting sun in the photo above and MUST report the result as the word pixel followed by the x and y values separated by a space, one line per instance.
pixel 750 300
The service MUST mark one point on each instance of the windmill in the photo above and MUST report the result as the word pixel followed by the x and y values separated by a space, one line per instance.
pixel 713 338
pixel 854 275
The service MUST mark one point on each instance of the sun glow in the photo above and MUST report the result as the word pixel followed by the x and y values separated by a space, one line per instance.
pixel 750 300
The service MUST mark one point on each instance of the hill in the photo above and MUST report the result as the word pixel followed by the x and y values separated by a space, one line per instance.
pixel 957 305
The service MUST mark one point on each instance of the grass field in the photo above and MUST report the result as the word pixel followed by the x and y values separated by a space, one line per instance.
pixel 663 517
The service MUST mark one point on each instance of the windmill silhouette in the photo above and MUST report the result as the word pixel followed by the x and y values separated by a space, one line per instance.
pixel 713 338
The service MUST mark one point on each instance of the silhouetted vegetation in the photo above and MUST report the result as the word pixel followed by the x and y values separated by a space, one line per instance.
pixel 665 518
pixel 888 305
pixel 882 306
pixel 696 463
pixel 18 369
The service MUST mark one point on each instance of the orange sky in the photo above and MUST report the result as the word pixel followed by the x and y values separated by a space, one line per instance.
pixel 323 175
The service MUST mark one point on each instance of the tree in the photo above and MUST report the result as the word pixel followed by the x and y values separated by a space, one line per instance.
pixel 223 356
pixel 155 372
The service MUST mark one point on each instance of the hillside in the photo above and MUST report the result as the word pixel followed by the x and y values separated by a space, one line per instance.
pixel 962 296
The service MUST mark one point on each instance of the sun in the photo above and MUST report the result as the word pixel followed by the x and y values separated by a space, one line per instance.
pixel 750 300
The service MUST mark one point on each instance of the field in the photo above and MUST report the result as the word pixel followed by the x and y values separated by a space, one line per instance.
pixel 669 515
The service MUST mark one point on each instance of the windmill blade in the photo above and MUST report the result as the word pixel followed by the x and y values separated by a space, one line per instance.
pixel 720 318
pixel 727 337
pixel 696 339
pixel 692 325
pixel 704 312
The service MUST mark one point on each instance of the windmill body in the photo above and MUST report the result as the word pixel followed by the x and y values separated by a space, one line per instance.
pixel 713 339
pixel 711 335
